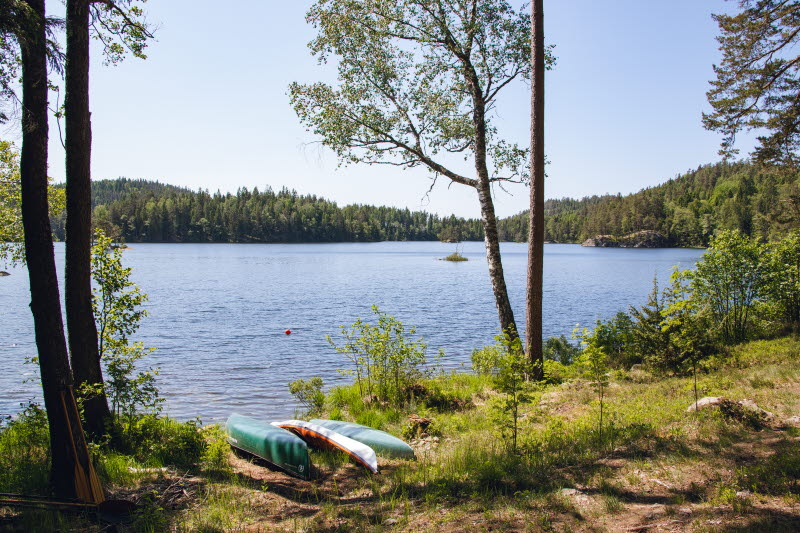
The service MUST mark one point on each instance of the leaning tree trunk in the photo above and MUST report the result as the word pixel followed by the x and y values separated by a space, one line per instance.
pixel 71 472
pixel 533 327
pixel 488 217
pixel 78 298
pixel 492 241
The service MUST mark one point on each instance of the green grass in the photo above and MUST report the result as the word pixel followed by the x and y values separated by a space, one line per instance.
pixel 470 473
pixel 24 448
pixel 223 507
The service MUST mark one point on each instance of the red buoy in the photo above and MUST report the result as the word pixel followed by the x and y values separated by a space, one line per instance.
pixel 288 332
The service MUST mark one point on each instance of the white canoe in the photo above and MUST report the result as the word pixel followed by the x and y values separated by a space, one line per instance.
pixel 325 438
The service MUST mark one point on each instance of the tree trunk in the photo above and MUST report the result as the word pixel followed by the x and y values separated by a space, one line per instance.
pixel 533 327
pixel 506 315
pixel 69 456
pixel 83 349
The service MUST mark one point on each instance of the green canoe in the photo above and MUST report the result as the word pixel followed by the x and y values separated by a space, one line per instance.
pixel 380 441
pixel 273 444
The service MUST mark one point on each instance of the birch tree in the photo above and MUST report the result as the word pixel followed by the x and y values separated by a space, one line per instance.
pixel 418 82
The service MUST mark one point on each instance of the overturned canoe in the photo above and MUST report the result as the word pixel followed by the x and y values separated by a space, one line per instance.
pixel 328 439
pixel 273 444
pixel 383 443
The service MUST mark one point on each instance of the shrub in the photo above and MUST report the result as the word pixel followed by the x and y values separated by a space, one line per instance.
pixel 615 338
pixel 649 342
pixel 214 458
pixel 687 327
pixel 555 372
pixel 309 394
pixel 455 257
pixel 117 305
pixel 511 379
pixel 594 364
pixel 561 350
pixel 486 360
pixel 729 280
pixel 163 441
pixel 442 396
pixel 386 362
pixel 782 280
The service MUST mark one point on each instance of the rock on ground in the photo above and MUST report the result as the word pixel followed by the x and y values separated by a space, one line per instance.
pixel 745 411
pixel 793 421
pixel 704 403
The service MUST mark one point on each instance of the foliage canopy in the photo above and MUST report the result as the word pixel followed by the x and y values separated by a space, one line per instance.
pixel 758 80
pixel 412 76
pixel 11 247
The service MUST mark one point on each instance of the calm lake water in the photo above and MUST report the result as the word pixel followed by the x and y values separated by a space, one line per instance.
pixel 218 312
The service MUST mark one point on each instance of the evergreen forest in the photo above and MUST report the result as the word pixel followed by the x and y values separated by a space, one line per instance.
pixel 147 211
pixel 688 210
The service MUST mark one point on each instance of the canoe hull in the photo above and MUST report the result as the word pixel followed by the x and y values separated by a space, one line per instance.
pixel 273 444
pixel 327 439
pixel 383 443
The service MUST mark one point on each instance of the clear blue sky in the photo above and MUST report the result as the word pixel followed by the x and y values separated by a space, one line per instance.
pixel 209 108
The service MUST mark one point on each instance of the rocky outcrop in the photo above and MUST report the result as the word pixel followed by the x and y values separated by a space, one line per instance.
pixel 639 239
pixel 745 411
pixel 602 241
pixel 3 273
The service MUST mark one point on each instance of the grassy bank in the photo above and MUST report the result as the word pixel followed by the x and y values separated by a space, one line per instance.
pixel 656 467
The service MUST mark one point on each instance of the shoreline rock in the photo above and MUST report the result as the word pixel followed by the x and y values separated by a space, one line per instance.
pixel 3 273
pixel 639 239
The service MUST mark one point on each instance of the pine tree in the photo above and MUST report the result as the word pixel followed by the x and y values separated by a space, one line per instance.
pixel 758 81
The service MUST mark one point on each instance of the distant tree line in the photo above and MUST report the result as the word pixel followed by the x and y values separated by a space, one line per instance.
pixel 688 210
pixel 146 211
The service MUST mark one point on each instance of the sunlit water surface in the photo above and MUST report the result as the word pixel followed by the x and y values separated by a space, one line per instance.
pixel 218 312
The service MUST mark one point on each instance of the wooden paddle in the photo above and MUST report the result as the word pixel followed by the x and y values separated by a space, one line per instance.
pixel 88 488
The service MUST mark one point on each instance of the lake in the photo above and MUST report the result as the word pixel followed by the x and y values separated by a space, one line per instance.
pixel 218 312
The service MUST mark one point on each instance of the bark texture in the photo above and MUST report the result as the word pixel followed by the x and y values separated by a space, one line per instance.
pixel 496 275
pixel 533 326
pixel 488 217
pixel 83 348
pixel 71 472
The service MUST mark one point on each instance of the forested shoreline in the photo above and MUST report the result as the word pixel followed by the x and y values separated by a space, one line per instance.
pixel 688 210
pixel 147 211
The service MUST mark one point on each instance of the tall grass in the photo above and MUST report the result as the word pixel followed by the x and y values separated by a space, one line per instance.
pixel 24 451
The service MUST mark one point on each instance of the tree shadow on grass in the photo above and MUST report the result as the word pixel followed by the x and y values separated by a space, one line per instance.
pixel 763 521
pixel 335 482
